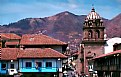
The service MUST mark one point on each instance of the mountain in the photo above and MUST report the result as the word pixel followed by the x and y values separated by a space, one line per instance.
pixel 113 28
pixel 64 26
pixel 61 25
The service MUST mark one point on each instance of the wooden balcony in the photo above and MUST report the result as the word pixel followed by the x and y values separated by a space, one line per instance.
pixel 98 68
pixel 112 68
pixel 105 68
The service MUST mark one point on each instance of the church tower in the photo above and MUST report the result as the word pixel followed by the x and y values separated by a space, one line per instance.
pixel 93 30
pixel 93 39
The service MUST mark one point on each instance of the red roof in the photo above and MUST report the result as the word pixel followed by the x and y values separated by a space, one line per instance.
pixel 50 53
pixel 39 39
pixel 9 36
pixel 14 53
pixel 9 53
pixel 12 43
pixel 40 53
pixel 109 54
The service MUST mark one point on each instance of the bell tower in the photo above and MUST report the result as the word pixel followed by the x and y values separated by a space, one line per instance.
pixel 93 30
pixel 93 39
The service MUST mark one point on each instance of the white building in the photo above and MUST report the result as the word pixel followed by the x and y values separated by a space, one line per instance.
pixel 109 44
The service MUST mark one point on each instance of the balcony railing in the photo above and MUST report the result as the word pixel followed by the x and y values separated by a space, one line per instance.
pixel 3 71
pixel 38 69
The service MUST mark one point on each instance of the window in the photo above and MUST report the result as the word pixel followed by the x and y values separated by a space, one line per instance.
pixel 39 64
pixel 28 64
pixel 11 65
pixel 3 66
pixel 48 64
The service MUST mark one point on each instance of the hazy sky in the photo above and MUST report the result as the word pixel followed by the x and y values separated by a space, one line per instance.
pixel 14 10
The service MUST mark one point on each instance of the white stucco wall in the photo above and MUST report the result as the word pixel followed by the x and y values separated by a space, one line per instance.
pixel 109 44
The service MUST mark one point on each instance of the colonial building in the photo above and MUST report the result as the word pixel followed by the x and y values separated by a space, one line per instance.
pixel 93 40
pixel 109 65
pixel 33 53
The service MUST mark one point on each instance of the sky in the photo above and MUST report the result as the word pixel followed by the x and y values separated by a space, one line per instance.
pixel 15 10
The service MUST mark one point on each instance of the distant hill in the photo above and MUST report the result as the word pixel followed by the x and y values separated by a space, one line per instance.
pixel 64 26
pixel 113 28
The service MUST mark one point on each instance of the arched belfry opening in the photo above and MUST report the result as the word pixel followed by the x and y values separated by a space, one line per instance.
pixel 90 34
pixel 97 34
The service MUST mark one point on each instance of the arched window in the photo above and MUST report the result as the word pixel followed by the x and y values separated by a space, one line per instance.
pixel 90 33
pixel 97 34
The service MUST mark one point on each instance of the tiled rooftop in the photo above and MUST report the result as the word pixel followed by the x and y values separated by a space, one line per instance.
pixel 12 43
pixel 9 53
pixel 14 53
pixel 39 39
pixel 30 39
pixel 9 36
pixel 40 53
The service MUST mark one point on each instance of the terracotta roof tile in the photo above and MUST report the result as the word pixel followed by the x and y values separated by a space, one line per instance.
pixel 29 53
pixel 39 39
pixel 40 53
pixel 108 54
pixel 48 52
pixel 12 43
pixel 9 36
pixel 9 53
pixel 14 53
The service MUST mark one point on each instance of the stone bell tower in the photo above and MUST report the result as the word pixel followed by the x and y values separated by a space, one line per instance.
pixel 93 39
